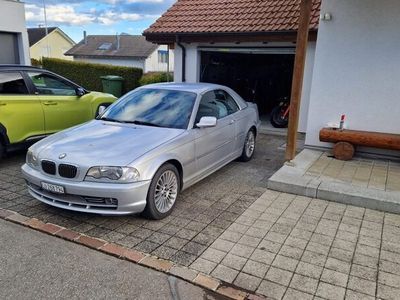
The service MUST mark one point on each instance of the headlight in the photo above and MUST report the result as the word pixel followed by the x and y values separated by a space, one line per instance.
pixel 108 174
pixel 31 159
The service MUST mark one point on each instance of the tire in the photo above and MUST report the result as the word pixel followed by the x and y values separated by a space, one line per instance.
pixel 249 146
pixel 2 150
pixel 276 119
pixel 168 177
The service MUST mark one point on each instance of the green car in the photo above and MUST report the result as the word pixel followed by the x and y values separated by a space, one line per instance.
pixel 35 103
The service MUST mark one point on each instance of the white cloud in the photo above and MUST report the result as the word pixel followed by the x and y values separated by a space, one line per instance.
pixel 59 14
pixel 111 17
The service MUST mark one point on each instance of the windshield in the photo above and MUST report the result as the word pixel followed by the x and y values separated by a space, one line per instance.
pixel 153 107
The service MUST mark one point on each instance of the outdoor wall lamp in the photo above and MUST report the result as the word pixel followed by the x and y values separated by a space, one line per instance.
pixel 325 17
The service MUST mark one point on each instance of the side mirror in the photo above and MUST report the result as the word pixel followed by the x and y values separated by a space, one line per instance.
pixel 80 91
pixel 207 122
pixel 102 108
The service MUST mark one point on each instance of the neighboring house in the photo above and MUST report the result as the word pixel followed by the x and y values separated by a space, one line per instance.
pixel 123 50
pixel 247 45
pixel 54 44
pixel 352 66
pixel 14 47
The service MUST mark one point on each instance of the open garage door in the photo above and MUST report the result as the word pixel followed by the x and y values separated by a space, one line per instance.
pixel 261 75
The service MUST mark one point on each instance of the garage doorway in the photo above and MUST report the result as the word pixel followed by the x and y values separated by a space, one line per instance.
pixel 9 48
pixel 260 75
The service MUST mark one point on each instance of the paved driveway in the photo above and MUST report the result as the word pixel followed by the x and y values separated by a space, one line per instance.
pixel 202 213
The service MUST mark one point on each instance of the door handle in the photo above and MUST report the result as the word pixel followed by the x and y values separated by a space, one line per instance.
pixel 50 103
pixel 231 122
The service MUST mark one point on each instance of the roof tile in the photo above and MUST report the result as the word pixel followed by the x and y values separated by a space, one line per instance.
pixel 218 16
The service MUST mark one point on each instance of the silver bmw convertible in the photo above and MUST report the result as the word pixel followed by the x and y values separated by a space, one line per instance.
pixel 143 150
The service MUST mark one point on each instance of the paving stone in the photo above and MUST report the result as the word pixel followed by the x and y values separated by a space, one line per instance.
pixel 271 289
pixel 364 260
pixel 255 268
pixel 234 261
pixel 329 291
pixel 225 273
pixel 352 295
pixel 249 241
pixel 242 250
pixel 194 248
pixel 363 272
pixel 389 267
pixel 304 283
pixel 269 246
pixel 338 265
pixel 158 237
pixel 313 258
pixel 222 245
pixel 262 256
pixel 164 252
pixel 392 280
pixel 388 292
pixel 279 276
pixel 334 277
pixel 206 282
pixel 213 255
pixel 309 270
pixel 285 263
pixel 203 265
pixel 147 246
pixel 247 282
pixel 183 272
pixel 292 294
pixel 361 285
pixel 341 254
pixel 291 252
pixel 176 243
pixel 183 258
pixel 231 236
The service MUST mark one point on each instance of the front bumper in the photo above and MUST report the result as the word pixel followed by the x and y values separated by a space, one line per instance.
pixel 86 196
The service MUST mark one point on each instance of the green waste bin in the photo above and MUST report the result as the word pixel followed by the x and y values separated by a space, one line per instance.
pixel 112 84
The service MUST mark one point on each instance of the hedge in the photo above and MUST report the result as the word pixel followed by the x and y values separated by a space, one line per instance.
pixel 88 74
pixel 155 77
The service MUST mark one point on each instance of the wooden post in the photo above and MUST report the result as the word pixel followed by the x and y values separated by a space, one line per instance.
pixel 298 74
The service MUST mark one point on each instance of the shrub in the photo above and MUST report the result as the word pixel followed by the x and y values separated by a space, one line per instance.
pixel 88 74
pixel 155 77
pixel 36 62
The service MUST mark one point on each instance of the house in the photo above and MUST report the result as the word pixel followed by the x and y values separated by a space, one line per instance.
pixel 53 44
pixel 352 64
pixel 247 45
pixel 123 50
pixel 14 46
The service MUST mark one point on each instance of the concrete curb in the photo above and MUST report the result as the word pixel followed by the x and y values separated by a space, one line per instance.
pixel 131 255
pixel 292 179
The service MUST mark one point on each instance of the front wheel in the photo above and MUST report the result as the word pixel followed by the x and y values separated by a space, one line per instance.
pixel 163 192
pixel 278 118
pixel 249 146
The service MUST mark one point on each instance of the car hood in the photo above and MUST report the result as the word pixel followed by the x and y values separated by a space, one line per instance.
pixel 101 143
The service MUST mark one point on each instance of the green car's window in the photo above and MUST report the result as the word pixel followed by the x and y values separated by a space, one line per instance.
pixel 12 83
pixel 50 85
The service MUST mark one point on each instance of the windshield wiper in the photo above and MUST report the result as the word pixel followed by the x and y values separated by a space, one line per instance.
pixel 110 120
pixel 143 123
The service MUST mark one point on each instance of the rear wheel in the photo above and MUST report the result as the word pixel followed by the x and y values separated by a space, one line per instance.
pixel 277 117
pixel 163 192
pixel 249 146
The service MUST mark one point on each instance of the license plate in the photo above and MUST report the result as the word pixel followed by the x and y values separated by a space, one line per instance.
pixel 53 188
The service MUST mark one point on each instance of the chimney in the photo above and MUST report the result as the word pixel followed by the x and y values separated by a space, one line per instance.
pixel 84 37
pixel 118 41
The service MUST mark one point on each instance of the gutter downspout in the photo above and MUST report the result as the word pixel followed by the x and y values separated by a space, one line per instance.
pixel 183 59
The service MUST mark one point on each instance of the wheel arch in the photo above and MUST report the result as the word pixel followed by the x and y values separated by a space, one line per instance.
pixel 3 135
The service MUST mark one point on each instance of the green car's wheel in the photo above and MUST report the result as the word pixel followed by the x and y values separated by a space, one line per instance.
pixel 2 150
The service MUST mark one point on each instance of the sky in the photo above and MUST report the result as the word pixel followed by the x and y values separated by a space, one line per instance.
pixel 96 17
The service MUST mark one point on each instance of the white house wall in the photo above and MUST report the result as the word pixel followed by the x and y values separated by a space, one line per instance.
pixel 152 64
pixel 136 63
pixel 12 20
pixel 357 67
pixel 193 69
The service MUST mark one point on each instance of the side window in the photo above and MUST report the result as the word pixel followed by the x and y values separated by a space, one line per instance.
pixel 50 85
pixel 217 103
pixel 12 83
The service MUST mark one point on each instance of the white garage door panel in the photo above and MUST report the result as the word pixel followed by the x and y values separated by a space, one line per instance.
pixel 270 50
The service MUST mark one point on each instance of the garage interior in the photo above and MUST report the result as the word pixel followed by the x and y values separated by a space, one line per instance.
pixel 260 75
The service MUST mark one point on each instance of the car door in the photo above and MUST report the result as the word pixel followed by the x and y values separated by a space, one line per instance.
pixel 213 145
pixel 20 111
pixel 62 107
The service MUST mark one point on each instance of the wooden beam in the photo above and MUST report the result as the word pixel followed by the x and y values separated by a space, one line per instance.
pixel 298 75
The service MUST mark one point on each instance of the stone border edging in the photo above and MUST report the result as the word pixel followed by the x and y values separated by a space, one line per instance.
pixel 134 256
